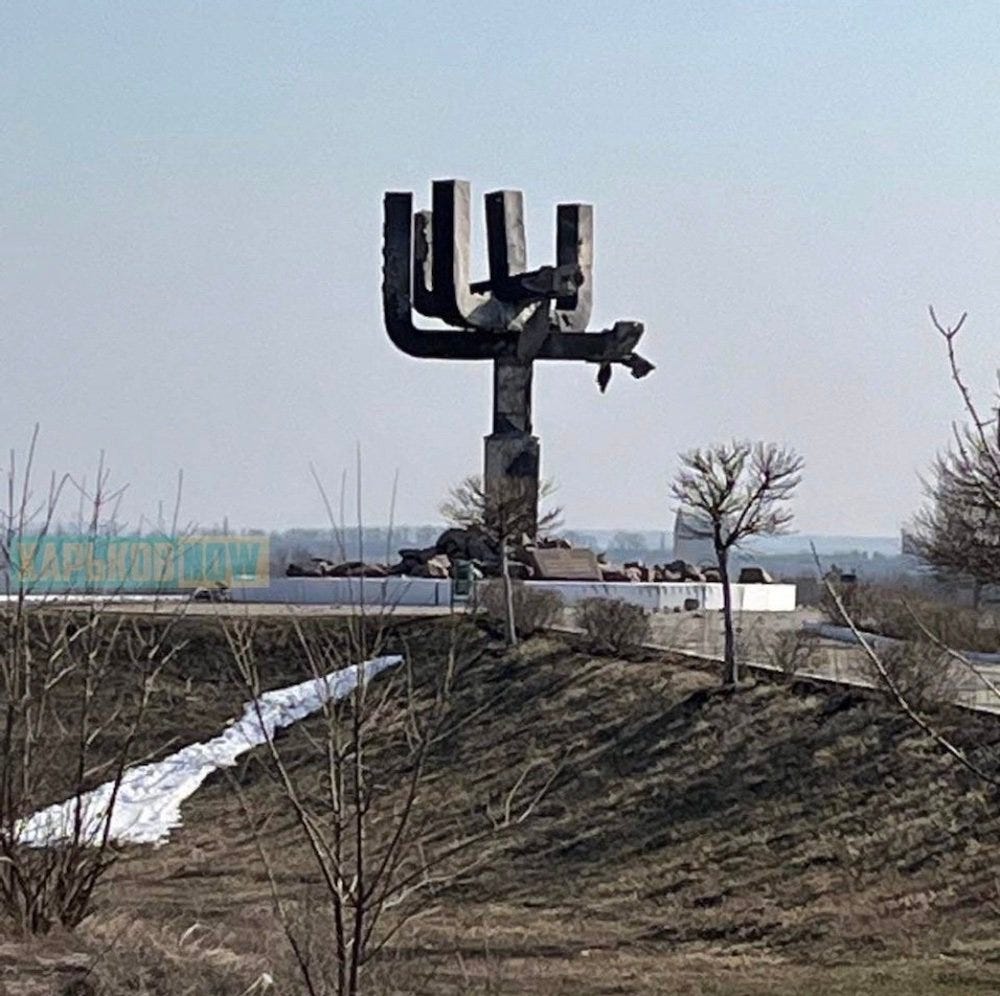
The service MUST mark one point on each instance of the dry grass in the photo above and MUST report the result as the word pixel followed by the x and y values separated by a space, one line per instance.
pixel 777 839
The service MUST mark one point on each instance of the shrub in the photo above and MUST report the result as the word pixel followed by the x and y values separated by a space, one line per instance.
pixel 534 609
pixel 922 674
pixel 612 626
pixel 791 652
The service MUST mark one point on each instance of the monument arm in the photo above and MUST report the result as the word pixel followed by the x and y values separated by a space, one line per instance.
pixel 423 256
pixel 575 247
pixel 397 300
pixel 615 345
pixel 455 301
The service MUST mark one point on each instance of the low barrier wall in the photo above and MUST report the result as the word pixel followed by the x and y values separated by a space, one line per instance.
pixel 655 596
pixel 389 592
pixel 406 591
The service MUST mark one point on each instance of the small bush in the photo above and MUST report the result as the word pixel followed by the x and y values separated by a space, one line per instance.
pixel 922 674
pixel 534 609
pixel 612 626
pixel 791 652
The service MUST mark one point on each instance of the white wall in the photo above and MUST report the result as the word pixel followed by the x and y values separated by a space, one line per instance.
pixel 652 596
pixel 667 596
pixel 349 591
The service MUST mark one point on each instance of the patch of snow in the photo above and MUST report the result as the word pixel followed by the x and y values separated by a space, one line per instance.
pixel 148 803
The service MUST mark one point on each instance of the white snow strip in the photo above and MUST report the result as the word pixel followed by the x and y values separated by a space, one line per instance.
pixel 148 804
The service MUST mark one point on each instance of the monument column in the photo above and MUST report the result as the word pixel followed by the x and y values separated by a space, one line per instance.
pixel 512 453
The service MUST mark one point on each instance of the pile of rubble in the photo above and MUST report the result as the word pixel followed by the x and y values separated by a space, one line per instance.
pixel 681 570
pixel 547 559
pixel 435 561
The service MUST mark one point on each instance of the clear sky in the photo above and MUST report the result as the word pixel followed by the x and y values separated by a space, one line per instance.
pixel 190 212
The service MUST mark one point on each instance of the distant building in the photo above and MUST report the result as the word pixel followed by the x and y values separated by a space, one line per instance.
pixel 692 538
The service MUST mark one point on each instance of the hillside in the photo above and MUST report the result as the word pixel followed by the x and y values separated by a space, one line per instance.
pixel 776 839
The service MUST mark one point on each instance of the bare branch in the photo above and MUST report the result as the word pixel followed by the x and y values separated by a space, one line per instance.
pixel 893 688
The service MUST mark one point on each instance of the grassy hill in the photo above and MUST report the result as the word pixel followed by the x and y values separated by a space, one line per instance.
pixel 774 839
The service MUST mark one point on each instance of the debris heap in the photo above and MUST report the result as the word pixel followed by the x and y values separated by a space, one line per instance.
pixel 548 559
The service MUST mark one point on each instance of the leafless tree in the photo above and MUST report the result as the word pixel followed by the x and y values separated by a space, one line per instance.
pixel 376 853
pixel 75 687
pixel 504 515
pixel 508 513
pixel 957 533
pixel 985 431
pixel 738 490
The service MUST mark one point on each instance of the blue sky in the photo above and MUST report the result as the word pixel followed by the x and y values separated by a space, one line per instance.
pixel 190 228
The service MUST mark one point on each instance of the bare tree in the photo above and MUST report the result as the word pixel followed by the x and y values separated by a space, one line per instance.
pixel 508 513
pixel 958 535
pixel 958 532
pixel 504 515
pixel 76 683
pixel 360 811
pixel 985 431
pixel 737 490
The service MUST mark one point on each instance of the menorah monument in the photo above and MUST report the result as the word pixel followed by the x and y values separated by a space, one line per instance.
pixel 515 317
